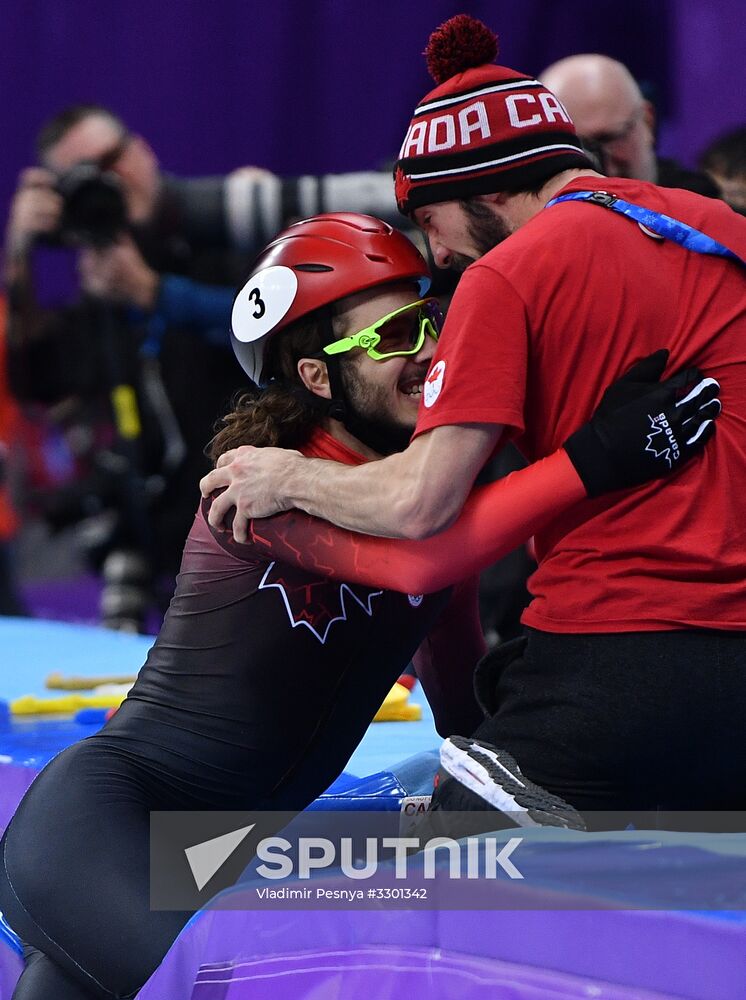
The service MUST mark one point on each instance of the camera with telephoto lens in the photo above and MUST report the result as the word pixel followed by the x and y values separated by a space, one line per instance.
pixel 94 212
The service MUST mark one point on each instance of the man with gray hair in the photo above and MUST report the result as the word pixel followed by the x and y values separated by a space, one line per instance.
pixel 612 115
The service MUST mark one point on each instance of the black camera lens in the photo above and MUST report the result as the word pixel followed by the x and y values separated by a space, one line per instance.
pixel 94 211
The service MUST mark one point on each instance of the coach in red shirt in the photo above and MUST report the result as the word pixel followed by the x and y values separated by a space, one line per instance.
pixel 631 690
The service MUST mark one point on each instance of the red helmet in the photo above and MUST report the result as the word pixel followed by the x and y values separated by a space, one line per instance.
pixel 312 264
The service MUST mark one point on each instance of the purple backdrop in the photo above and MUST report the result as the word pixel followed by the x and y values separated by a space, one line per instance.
pixel 330 84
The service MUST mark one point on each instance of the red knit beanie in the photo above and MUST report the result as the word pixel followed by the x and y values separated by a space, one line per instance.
pixel 485 128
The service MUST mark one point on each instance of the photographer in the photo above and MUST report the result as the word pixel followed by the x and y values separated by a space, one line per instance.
pixel 120 361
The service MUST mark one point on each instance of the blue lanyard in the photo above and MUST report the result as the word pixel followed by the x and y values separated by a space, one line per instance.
pixel 662 225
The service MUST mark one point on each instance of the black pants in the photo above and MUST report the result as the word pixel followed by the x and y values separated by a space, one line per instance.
pixel 629 721
pixel 74 881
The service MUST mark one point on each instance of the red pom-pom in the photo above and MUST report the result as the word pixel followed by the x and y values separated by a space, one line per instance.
pixel 459 44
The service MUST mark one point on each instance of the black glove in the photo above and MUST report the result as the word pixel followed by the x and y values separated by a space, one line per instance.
pixel 644 429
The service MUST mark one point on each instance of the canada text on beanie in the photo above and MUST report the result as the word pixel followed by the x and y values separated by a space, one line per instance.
pixel 485 128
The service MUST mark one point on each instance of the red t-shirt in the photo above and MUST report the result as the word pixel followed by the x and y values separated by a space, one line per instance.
pixel 536 331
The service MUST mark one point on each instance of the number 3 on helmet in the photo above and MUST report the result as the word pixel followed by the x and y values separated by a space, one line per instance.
pixel 310 265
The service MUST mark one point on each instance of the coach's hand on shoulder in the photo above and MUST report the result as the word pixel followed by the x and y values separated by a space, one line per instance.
pixel 643 428
pixel 252 480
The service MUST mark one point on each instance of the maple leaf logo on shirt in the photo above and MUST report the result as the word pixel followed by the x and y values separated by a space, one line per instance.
pixel 313 603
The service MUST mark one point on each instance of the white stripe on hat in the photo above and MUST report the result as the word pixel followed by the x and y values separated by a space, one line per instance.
pixel 474 167
pixel 446 101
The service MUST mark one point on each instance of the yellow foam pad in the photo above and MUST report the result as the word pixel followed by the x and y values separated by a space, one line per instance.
pixel 67 704
pixel 58 682
pixel 396 707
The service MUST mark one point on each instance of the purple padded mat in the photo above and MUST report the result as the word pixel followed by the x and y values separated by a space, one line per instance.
pixel 385 955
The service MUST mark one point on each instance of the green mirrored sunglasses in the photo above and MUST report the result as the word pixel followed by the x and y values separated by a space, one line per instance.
pixel 398 334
